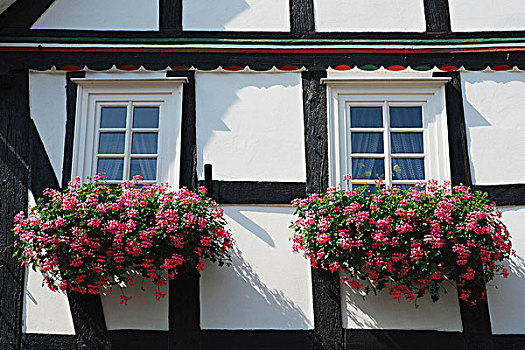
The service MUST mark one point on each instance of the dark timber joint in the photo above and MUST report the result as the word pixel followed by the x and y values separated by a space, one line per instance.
pixel 302 20
pixel 170 15
pixel 457 130
pixel 208 179
pixel 437 16
pixel 71 106
pixel 252 192
pixel 513 194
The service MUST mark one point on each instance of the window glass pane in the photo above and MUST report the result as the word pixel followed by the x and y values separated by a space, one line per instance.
pixel 408 169
pixel 407 142
pixel 366 117
pixel 147 167
pixel 111 142
pixel 406 117
pixel 146 117
pixel 144 143
pixel 367 142
pixel 113 117
pixel 113 167
pixel 368 168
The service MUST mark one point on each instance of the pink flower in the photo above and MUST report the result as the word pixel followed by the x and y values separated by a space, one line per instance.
pixel 323 238
pixel 200 265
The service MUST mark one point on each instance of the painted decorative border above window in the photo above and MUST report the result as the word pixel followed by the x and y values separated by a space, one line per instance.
pixel 126 127
pixel 394 128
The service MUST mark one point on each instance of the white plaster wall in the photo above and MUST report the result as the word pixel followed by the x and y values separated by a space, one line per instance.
pixel 383 312
pixel 44 311
pixel 236 15
pixel 142 312
pixel 369 16
pixel 250 126
pixel 506 302
pixel 487 15
pixel 267 286
pixel 47 102
pixel 100 15
pixel 495 121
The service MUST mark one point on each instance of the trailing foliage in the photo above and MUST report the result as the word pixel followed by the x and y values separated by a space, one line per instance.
pixel 97 235
pixel 406 241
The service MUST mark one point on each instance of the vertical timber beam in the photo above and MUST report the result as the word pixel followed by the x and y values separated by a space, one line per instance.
pixel 188 157
pixel 457 130
pixel 476 319
pixel 71 108
pixel 328 328
pixel 14 179
pixel 437 16
pixel 302 17
pixel 88 317
pixel 184 294
pixel 170 15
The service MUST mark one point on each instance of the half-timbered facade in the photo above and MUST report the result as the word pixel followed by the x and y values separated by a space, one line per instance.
pixel 262 101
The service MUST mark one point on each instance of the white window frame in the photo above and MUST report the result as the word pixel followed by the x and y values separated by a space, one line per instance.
pixel 427 92
pixel 92 94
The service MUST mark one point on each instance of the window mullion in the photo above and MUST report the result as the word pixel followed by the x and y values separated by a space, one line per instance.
pixel 386 141
pixel 96 140
pixel 348 145
pixel 127 150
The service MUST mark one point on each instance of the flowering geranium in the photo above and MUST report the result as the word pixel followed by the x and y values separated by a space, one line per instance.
pixel 406 241
pixel 97 235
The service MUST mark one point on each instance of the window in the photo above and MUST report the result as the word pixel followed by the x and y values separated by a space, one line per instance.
pixel 128 127
pixel 394 129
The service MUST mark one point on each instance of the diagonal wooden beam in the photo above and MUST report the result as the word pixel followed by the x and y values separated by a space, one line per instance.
pixel 23 13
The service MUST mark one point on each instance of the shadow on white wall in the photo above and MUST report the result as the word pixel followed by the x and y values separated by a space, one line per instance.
pixel 252 226
pixel 259 292
pixel 250 127
pixel 383 312
pixel 505 295
pixel 492 102
pixel 236 15
pixel 267 286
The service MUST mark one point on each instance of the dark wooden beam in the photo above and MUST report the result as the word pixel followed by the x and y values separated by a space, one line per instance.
pixel 71 110
pixel 513 194
pixel 160 60
pixel 188 156
pixel 170 16
pixel 328 330
pixel 256 339
pixel 88 319
pixel 457 132
pixel 475 319
pixel 23 13
pixel 168 30
pixel 363 339
pixel 48 342
pixel 315 131
pixel 14 179
pixel 302 17
pixel 255 192
pixel 437 16
pixel 184 313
